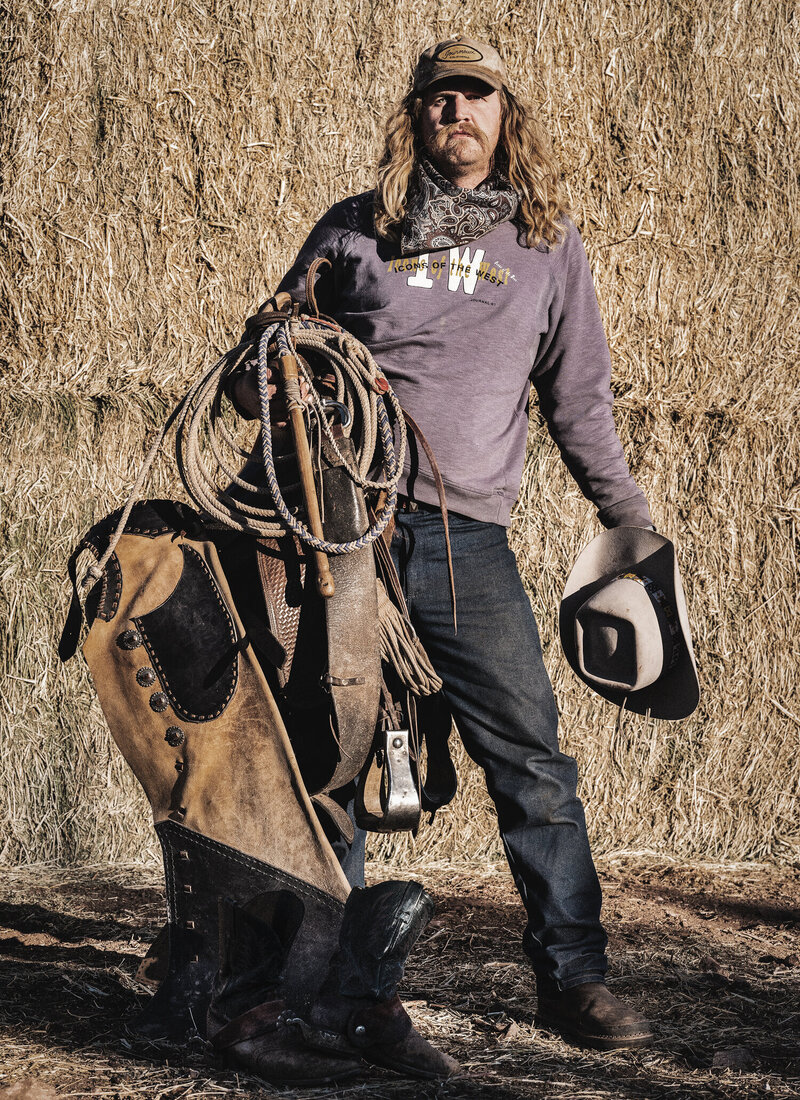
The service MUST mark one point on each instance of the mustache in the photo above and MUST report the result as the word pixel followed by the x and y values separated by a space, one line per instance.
pixel 441 138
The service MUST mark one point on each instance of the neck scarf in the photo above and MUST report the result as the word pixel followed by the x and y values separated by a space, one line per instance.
pixel 441 215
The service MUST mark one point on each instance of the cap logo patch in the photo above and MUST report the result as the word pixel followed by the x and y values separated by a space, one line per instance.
pixel 459 53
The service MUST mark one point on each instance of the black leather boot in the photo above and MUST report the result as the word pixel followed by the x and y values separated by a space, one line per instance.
pixel 358 1011
pixel 250 1023
pixel 591 1016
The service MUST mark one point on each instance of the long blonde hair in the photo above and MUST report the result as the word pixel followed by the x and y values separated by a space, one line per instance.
pixel 524 154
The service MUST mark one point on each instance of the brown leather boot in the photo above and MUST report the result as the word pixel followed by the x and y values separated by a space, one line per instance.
pixel 267 1041
pixel 250 1024
pixel 358 1011
pixel 591 1016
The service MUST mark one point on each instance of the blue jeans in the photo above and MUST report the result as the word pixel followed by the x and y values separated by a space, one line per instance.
pixel 500 695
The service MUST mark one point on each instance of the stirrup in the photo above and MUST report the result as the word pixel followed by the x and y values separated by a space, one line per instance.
pixel 388 782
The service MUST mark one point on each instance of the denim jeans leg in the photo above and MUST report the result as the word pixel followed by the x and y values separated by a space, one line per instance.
pixel 498 688
pixel 352 855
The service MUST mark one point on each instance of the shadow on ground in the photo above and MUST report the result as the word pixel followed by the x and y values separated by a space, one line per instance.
pixel 710 954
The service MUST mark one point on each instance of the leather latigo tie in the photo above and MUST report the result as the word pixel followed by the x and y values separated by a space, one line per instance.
pixel 441 215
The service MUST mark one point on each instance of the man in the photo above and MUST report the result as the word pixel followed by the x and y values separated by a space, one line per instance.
pixel 464 277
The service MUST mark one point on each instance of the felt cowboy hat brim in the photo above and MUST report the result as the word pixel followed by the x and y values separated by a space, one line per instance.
pixel 651 557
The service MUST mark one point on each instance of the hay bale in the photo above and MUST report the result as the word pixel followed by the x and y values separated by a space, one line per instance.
pixel 161 163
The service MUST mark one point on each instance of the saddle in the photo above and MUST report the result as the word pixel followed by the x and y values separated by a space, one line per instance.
pixel 243 701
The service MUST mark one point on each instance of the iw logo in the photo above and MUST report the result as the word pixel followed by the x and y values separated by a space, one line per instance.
pixel 461 269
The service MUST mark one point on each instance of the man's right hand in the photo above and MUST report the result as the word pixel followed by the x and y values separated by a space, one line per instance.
pixel 245 393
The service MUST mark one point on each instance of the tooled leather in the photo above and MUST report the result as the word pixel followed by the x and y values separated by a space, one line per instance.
pixel 284 617
pixel 191 641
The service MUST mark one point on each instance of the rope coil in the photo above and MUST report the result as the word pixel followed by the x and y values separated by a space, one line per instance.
pixel 202 437
pixel 358 370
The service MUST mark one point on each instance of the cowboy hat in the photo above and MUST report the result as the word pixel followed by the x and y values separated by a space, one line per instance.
pixel 624 625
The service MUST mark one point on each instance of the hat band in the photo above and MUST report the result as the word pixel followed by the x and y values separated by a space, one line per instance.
pixel 655 593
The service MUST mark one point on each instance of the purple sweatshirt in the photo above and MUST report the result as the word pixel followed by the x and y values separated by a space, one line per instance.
pixel 461 333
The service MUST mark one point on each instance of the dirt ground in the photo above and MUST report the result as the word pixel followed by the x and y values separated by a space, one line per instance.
pixel 712 953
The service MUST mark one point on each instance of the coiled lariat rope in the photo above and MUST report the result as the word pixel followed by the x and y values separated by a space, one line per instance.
pixel 202 436
pixel 357 374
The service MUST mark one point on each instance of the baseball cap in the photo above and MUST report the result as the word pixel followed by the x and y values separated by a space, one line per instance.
pixel 460 56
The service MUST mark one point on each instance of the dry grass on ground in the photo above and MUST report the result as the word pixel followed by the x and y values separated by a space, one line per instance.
pixel 712 952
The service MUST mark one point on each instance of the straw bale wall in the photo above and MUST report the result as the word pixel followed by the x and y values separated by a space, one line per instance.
pixel 161 160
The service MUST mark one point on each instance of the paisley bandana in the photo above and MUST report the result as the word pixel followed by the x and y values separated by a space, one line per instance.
pixel 441 215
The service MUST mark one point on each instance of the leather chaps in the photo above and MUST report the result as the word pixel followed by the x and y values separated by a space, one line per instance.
pixel 181 681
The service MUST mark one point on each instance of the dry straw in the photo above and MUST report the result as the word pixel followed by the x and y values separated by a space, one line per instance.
pixel 161 162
